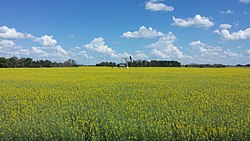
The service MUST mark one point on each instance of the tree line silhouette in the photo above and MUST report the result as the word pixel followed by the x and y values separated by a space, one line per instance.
pixel 15 62
pixel 143 63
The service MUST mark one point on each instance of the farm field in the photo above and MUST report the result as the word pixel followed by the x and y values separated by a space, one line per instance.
pixel 100 103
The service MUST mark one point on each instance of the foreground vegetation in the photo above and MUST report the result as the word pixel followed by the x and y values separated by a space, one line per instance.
pixel 125 104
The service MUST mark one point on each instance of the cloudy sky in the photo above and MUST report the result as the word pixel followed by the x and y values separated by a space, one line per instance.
pixel 91 31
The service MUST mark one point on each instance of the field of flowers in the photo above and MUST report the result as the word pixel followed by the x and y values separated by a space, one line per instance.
pixel 95 103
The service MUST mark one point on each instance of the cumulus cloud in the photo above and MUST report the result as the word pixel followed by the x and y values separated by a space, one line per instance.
pixel 61 51
pixel 167 39
pixel 124 55
pixel 206 52
pixel 9 50
pixel 231 53
pixel 197 44
pixel 46 40
pixel 141 55
pixel 206 49
pixel 239 35
pixel 78 54
pixel 49 49
pixel 225 26
pixel 24 52
pixel 155 5
pixel 6 43
pixel 197 21
pixel 85 54
pixel 164 48
pixel 38 51
pixel 98 45
pixel 143 32
pixel 11 33
pixel 53 53
pixel 161 53
pixel 244 1
pixel 229 11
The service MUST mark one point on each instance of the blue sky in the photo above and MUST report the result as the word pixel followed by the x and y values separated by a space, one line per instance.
pixel 91 31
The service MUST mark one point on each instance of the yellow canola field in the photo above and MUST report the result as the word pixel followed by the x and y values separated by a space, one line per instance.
pixel 99 103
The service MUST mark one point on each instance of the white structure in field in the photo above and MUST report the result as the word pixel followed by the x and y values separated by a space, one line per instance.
pixel 125 61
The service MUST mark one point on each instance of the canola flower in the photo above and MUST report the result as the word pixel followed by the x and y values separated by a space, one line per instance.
pixel 99 103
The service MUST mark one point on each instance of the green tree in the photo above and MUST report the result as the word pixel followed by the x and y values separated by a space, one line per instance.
pixel 3 62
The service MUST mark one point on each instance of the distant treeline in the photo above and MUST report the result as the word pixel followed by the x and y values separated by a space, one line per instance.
pixel 206 65
pixel 239 65
pixel 155 63
pixel 107 64
pixel 143 63
pixel 15 62
pixel 214 65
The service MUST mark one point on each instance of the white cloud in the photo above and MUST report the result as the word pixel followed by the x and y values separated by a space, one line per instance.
pixel 46 40
pixel 38 51
pixel 229 11
pixel 155 5
pixel 79 55
pixel 8 49
pixel 23 52
pixel 165 49
pixel 85 55
pixel 124 55
pixel 11 50
pixel 225 26
pixel 6 43
pixel 11 33
pixel 205 49
pixel 240 35
pixel 61 51
pixel 98 51
pixel 197 21
pixel 244 1
pixel 29 36
pixel 197 44
pixel 160 53
pixel 53 53
pixel 231 53
pixel 141 55
pixel 143 32
pixel 207 54
pixel 98 45
pixel 167 39
pixel 49 50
